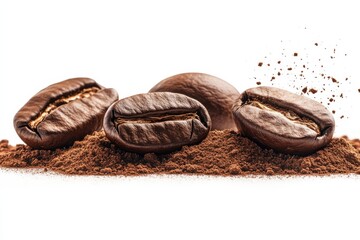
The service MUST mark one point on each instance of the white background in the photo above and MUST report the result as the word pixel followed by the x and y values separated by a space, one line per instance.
pixel 130 46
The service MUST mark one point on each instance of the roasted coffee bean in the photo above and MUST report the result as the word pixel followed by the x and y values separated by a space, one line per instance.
pixel 284 121
pixel 63 113
pixel 156 122
pixel 215 94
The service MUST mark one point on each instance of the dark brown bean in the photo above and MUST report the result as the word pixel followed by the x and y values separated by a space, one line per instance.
pixel 63 113
pixel 284 121
pixel 214 93
pixel 156 122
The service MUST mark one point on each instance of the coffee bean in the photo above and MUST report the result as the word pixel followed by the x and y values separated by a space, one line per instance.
pixel 63 113
pixel 284 121
pixel 156 122
pixel 215 94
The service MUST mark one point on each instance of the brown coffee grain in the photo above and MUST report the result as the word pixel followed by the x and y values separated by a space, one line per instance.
pixel 221 153
pixel 354 142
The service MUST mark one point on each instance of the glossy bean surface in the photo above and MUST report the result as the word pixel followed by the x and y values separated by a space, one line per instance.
pixel 63 113
pixel 156 122
pixel 284 121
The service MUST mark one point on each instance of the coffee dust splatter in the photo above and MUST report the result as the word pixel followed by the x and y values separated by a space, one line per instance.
pixel 305 74
pixel 313 91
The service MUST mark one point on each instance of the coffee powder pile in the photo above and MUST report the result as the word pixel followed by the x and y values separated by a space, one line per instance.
pixel 221 153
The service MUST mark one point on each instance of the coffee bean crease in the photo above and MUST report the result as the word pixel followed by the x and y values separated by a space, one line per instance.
pixel 83 93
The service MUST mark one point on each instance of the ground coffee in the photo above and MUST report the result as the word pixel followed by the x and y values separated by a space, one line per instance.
pixel 221 153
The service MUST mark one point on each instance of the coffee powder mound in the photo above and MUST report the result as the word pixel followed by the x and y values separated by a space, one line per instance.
pixel 354 142
pixel 221 153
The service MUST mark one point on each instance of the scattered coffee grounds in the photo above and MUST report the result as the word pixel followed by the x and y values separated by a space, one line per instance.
pixel 314 68
pixel 221 153
pixel 313 91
